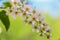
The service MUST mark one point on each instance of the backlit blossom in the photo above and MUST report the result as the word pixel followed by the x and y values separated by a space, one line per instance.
pixel 30 16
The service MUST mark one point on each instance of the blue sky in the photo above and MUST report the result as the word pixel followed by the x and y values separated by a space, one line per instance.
pixel 51 6
pixel 1 1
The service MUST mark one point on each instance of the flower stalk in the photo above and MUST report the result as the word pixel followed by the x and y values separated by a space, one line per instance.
pixel 30 16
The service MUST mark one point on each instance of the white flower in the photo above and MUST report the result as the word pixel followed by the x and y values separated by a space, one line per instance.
pixel 14 2
pixel 10 10
pixel 41 26
pixel 44 31
pixel 7 13
pixel 33 23
pixel 30 16
pixel 20 14
pixel 14 16
pixel 37 30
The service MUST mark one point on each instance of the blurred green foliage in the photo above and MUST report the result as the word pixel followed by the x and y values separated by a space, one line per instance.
pixel 4 18
pixel 18 30
pixel 21 31
pixel 7 4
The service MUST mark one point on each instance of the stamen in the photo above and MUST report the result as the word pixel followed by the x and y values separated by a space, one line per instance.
pixel 26 20
pixel 27 17
pixel 30 22
pixel 40 22
pixel 33 18
pixel 34 11
pixel 45 24
pixel 24 14
pixel 15 3
pixel 35 27
pixel 27 9
pixel 48 31
pixel 48 36
pixel 43 29
pixel 10 10
pixel 41 34
pixel 23 5
pixel 16 12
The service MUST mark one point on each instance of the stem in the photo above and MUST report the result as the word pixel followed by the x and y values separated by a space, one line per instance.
pixel 2 8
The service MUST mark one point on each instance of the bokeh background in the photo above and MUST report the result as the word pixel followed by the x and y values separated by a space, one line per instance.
pixel 21 31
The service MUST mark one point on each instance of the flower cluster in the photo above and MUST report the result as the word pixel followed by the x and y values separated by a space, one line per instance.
pixel 30 16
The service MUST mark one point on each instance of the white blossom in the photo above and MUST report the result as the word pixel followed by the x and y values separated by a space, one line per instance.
pixel 30 16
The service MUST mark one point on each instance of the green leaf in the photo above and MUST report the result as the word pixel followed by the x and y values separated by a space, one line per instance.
pixel 7 4
pixel 5 20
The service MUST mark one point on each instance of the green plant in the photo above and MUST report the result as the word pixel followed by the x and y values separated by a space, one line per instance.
pixel 31 17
